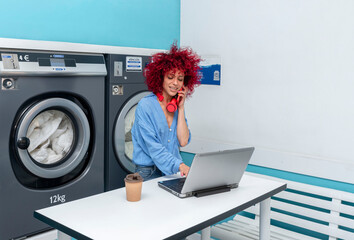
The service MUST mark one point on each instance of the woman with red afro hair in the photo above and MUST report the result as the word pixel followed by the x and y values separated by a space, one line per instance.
pixel 160 127
pixel 183 59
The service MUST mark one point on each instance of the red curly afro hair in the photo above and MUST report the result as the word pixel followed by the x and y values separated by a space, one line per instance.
pixel 183 59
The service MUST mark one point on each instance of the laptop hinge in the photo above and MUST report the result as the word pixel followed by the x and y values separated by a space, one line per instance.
pixel 210 191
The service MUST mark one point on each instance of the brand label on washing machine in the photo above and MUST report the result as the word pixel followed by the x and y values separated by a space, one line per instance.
pixel 59 69
pixel 134 64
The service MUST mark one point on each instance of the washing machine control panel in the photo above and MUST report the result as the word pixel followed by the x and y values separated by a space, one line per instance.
pixel 45 63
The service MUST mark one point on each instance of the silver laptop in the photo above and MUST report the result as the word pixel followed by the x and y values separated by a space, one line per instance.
pixel 211 173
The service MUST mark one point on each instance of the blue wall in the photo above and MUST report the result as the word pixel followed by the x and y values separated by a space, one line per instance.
pixel 127 23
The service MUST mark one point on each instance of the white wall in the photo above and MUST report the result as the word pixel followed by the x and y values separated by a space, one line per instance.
pixel 287 81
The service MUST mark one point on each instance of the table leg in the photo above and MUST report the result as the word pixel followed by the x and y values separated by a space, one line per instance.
pixel 63 236
pixel 264 220
pixel 205 234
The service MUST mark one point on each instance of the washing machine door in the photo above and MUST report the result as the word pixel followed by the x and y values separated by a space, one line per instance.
pixel 122 138
pixel 52 137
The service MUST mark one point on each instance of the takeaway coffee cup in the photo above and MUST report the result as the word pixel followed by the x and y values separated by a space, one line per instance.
pixel 133 185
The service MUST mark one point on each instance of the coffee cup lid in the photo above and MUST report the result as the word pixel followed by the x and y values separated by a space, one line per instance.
pixel 134 177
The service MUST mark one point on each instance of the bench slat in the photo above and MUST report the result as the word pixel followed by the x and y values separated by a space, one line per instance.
pixel 249 232
pixel 329 205
pixel 255 222
pixel 240 225
pixel 305 200
pixel 255 230
pixel 227 235
pixel 335 232
pixel 326 217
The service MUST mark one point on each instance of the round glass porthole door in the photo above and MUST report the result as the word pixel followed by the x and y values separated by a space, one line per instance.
pixel 122 137
pixel 52 137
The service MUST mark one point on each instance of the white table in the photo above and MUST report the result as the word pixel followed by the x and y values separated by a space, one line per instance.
pixel 159 214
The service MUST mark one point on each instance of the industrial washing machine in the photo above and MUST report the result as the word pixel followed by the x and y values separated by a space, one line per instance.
pixel 52 138
pixel 125 86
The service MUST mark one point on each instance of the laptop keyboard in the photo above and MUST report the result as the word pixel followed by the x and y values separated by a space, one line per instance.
pixel 176 184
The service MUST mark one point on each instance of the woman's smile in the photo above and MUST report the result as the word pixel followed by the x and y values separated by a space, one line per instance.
pixel 174 89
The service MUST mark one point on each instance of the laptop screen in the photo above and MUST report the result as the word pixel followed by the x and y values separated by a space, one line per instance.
pixel 209 170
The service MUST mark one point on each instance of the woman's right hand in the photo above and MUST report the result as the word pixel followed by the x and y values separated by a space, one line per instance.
pixel 182 93
pixel 184 169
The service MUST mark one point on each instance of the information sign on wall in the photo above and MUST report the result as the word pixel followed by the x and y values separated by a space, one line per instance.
pixel 211 70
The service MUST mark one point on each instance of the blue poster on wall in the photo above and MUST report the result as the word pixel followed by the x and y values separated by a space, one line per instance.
pixel 211 70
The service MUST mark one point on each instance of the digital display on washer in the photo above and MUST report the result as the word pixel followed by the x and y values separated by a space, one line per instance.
pixel 56 62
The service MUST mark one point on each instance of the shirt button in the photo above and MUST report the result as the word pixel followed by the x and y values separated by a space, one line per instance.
pixel 168 140
pixel 170 129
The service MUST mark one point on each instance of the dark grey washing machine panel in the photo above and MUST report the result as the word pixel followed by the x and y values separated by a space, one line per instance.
pixel 21 191
pixel 132 84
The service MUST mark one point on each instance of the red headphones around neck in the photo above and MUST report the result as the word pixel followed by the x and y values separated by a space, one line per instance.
pixel 172 105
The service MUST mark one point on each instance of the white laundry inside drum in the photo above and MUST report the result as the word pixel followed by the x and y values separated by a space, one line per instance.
pixel 129 121
pixel 51 136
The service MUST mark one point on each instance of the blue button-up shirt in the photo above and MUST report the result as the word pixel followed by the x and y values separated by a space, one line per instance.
pixel 154 142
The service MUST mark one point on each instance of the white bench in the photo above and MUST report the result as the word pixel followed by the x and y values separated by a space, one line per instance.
pixel 297 206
